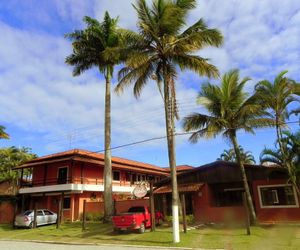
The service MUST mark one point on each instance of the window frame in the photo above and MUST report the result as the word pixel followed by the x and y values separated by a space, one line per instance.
pixel 40 211
pixel 116 171
pixel 66 197
pixel 259 187
pixel 67 178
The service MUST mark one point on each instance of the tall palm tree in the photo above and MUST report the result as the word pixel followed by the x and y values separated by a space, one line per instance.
pixel 90 48
pixel 276 98
pixel 229 155
pixel 3 134
pixel 161 44
pixel 230 109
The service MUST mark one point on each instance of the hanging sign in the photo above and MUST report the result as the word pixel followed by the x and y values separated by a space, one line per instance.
pixel 140 190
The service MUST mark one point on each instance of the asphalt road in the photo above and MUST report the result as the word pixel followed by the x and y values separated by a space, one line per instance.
pixel 17 245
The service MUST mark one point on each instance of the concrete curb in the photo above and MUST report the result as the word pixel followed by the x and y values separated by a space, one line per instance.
pixel 106 244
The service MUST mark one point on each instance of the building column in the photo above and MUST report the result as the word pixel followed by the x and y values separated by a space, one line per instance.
pixel 72 206
pixel 23 203
pixel 164 204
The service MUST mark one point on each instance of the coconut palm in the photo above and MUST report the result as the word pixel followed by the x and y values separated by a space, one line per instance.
pixel 229 155
pixel 3 134
pixel 230 109
pixel 161 44
pixel 90 48
pixel 276 98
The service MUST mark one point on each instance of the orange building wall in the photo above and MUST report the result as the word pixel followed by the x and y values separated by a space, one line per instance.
pixel 204 212
pixel 274 214
pixel 91 173
pixel 6 212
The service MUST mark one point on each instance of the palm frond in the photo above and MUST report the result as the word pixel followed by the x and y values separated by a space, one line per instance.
pixel 3 134
pixel 196 64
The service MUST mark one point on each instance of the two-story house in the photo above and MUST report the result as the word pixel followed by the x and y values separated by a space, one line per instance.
pixel 77 175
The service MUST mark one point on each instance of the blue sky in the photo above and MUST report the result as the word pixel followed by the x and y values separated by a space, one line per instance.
pixel 45 108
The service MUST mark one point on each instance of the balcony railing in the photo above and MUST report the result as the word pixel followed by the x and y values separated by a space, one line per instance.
pixel 59 181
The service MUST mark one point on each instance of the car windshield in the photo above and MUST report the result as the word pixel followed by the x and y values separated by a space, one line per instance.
pixel 27 212
pixel 136 210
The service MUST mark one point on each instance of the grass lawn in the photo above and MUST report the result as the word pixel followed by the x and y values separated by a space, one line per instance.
pixel 279 237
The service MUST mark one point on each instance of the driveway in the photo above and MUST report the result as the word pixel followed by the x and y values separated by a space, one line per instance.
pixel 17 245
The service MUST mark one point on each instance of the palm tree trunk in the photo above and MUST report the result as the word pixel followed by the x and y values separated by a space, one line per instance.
pixel 108 201
pixel 279 139
pixel 244 178
pixel 286 162
pixel 170 130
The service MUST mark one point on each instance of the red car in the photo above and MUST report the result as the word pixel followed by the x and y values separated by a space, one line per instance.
pixel 137 218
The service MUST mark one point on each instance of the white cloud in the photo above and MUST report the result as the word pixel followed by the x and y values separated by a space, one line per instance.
pixel 40 94
pixel 40 97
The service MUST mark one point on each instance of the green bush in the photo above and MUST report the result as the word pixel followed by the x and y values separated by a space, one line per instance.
pixel 92 216
pixel 190 219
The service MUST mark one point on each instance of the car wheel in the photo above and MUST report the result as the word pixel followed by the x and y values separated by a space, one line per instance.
pixel 31 225
pixel 142 228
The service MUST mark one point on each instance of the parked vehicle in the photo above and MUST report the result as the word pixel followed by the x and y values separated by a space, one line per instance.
pixel 44 217
pixel 137 218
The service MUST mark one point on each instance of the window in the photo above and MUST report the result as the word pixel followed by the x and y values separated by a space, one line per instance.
pixel 116 175
pixel 136 210
pixel 150 177
pixel 67 203
pixel 39 213
pixel 47 212
pixel 27 213
pixel 127 176
pixel 277 196
pixel 226 196
pixel 62 175
pixel 133 179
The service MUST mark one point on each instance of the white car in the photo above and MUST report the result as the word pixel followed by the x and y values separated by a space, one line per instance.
pixel 44 217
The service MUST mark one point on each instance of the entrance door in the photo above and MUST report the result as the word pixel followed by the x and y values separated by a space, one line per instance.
pixel 62 175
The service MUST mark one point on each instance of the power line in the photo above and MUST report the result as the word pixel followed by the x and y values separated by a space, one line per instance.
pixel 165 136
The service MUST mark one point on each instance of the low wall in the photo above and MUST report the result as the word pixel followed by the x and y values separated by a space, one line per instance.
pixel 120 206
pixel 6 212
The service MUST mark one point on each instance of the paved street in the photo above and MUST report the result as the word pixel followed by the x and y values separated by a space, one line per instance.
pixel 12 245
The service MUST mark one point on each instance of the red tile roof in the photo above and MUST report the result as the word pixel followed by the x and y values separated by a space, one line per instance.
pixel 84 154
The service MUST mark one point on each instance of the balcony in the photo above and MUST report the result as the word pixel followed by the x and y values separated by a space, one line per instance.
pixel 58 181
pixel 77 185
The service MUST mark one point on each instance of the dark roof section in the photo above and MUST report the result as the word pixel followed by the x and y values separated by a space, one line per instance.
pixel 222 172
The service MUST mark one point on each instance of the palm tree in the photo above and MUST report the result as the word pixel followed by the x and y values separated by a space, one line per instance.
pixel 276 97
pixel 161 45
pixel 291 146
pixel 12 157
pixel 90 48
pixel 3 134
pixel 271 156
pixel 229 155
pixel 230 109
